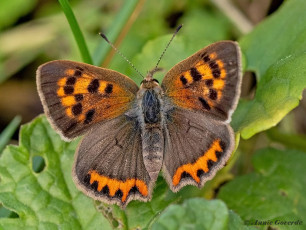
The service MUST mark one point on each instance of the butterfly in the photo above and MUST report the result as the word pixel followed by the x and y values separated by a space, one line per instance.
pixel 180 127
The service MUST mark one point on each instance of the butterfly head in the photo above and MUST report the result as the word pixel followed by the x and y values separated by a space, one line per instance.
pixel 149 81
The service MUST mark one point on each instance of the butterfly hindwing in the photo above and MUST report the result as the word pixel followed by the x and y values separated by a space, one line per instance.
pixel 208 81
pixel 196 148
pixel 109 164
pixel 76 95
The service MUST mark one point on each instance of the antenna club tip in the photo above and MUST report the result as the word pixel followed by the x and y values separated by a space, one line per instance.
pixel 178 28
pixel 103 36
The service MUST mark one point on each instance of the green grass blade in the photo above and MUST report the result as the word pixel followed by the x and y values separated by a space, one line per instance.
pixel 78 36
pixel 8 132
pixel 114 30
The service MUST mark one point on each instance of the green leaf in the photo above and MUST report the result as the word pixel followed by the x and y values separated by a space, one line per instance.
pixel 11 10
pixel 278 92
pixel 49 199
pixel 277 37
pixel 278 59
pixel 275 191
pixel 198 213
pixel 294 141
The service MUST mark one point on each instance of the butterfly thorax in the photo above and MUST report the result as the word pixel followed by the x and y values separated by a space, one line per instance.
pixel 150 95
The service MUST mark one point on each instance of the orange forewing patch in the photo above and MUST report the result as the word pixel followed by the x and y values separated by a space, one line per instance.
pixel 114 185
pixel 200 164
pixel 186 89
pixel 107 102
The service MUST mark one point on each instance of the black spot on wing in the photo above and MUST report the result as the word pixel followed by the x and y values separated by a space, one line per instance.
pixel 87 179
pixel 213 94
pixel 109 88
pixel 204 103
pixel 210 163
pixel 216 73
pixel 119 194
pixel 77 109
pixel 183 80
pixel 77 73
pixel 185 175
pixel 93 86
pixel 134 190
pixel 105 190
pixel 89 116
pixel 200 172
pixel 78 97
pixel 70 81
pixel 213 65
pixel 209 82
pixel 68 89
pixel 196 76
pixel 218 154
pixel 94 185
pixel 205 57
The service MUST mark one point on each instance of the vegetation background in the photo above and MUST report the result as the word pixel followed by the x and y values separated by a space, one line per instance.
pixel 265 179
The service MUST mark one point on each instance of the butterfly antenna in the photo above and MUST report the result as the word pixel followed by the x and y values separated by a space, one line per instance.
pixel 111 44
pixel 161 56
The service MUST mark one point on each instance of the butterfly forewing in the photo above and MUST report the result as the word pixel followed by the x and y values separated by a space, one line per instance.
pixel 76 95
pixel 208 81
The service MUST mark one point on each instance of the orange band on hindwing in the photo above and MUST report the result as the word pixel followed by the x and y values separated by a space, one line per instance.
pixel 200 166
pixel 114 187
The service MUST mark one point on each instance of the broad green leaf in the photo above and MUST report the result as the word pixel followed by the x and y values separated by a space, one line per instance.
pixel 296 141
pixel 276 51
pixel 275 191
pixel 279 36
pixel 278 92
pixel 49 199
pixel 199 214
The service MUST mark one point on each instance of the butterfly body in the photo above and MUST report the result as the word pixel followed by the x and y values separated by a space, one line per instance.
pixel 180 127
pixel 150 116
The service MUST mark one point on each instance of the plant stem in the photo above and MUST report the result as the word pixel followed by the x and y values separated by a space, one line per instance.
pixel 77 33
pixel 8 132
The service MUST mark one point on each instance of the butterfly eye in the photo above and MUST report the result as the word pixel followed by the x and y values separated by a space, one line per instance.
pixel 156 80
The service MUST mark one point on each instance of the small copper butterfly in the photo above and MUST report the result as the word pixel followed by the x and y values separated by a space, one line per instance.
pixel 132 133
